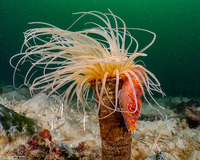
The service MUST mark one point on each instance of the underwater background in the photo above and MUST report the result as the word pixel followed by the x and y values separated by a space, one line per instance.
pixel 174 57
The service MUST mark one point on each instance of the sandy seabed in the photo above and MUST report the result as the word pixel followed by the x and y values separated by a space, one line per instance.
pixel 168 138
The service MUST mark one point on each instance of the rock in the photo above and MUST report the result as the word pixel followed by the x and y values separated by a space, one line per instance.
pixel 166 127
pixel 154 113
pixel 14 95
pixel 65 147
pixel 12 123
pixel 34 103
pixel 193 116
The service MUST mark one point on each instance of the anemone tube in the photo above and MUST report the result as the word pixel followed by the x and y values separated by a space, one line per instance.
pixel 98 58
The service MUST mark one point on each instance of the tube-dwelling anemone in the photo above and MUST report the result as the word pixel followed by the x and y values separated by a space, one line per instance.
pixel 88 58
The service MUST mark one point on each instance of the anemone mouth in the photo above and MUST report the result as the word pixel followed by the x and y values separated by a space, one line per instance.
pixel 79 60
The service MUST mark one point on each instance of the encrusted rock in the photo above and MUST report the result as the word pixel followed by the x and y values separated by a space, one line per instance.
pixel 12 123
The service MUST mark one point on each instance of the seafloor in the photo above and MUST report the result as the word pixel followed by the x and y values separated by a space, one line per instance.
pixel 175 136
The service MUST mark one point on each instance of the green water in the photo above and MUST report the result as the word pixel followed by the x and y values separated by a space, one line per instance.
pixel 174 58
